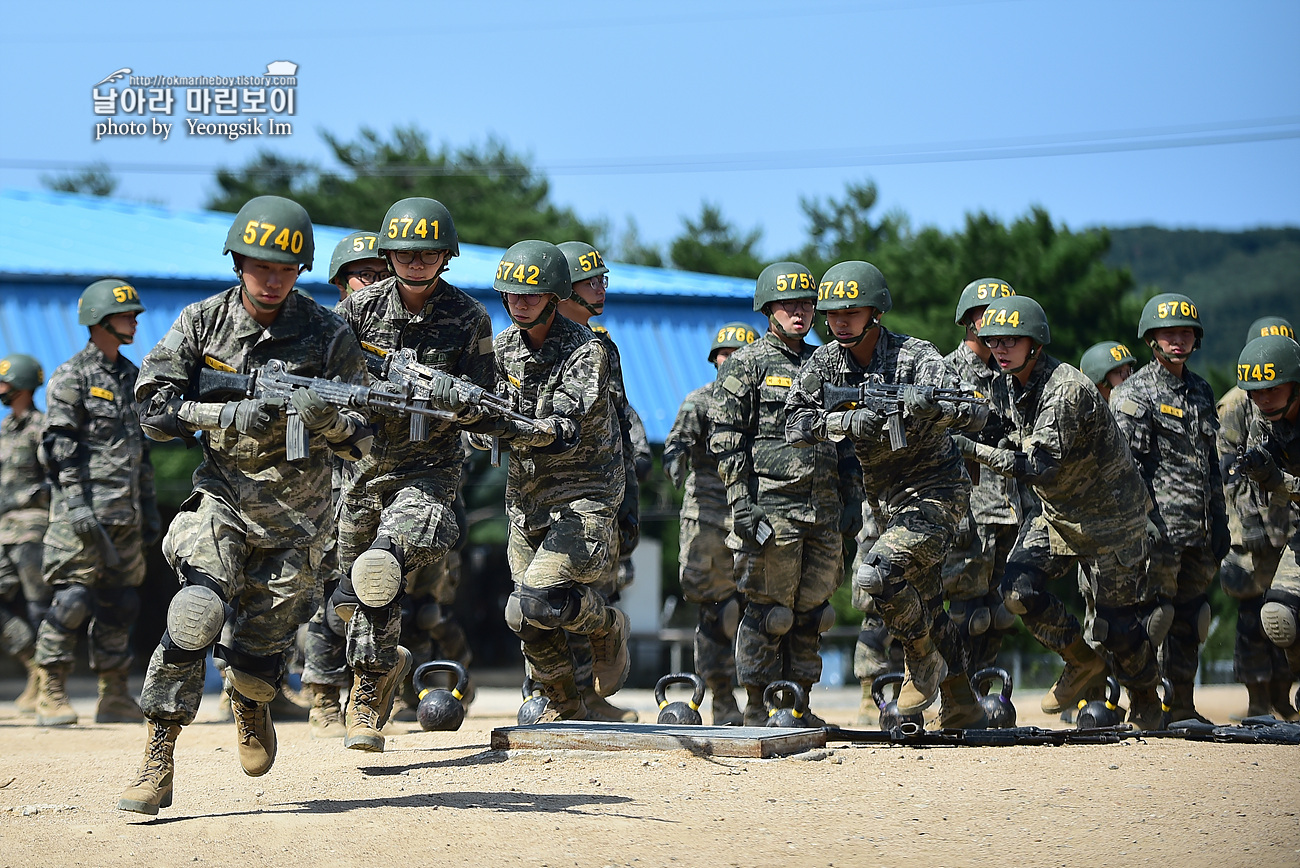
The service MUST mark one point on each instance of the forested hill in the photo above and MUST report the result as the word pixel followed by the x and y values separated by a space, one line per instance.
pixel 1235 277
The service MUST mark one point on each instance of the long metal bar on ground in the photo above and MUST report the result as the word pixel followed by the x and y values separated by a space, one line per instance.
pixel 722 741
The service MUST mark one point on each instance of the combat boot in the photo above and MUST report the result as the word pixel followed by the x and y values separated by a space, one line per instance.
pixel 925 670
pixel 1258 700
pixel 725 710
pixel 371 702
pixel 610 662
pixel 563 701
pixel 755 709
pixel 116 704
pixel 959 707
pixel 52 706
pixel 1147 712
pixel 811 719
pixel 1182 705
pixel 868 711
pixel 600 708
pixel 325 718
pixel 1084 671
pixel 153 788
pixel 256 734
pixel 1279 698
pixel 26 701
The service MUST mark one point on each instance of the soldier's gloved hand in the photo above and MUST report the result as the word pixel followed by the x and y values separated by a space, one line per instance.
pixel 919 406
pixel 150 522
pixel 851 519
pixel 1220 537
pixel 563 433
pixel 675 468
pixel 317 414
pixel 443 394
pixel 1008 462
pixel 251 416
pixel 863 423
pixel 1258 464
pixel 1036 466
pixel 82 518
pixel 745 517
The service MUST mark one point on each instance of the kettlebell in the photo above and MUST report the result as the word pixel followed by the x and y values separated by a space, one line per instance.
pixel 1001 712
pixel 1166 697
pixel 1100 712
pixel 786 715
pixel 684 713
pixel 535 703
pixel 440 709
pixel 889 716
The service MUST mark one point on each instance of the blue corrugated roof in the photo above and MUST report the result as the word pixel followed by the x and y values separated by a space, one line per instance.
pixel 53 244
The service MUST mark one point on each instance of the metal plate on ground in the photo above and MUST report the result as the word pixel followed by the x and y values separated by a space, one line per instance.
pixel 735 741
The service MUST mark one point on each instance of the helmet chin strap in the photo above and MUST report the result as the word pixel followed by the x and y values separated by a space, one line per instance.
pixel 851 342
pixel 1286 408
pixel 587 306
pixel 121 338
pixel 1157 350
pixel 248 296
pixel 1029 357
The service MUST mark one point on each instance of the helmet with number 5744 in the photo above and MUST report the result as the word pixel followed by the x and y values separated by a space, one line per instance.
pixel 1170 310
pixel 783 281
pixel 732 336
pixel 979 293
pixel 1267 362
pixel 354 247
pixel 272 229
pixel 853 284
pixel 418 223
pixel 107 297
pixel 1018 315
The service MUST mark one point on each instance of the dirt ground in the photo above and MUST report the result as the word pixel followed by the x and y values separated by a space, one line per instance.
pixel 445 798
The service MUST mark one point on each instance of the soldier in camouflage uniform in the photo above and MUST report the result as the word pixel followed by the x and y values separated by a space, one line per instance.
pixel 590 279
pixel 1069 449
pixel 103 511
pixel 1260 527
pixel 1166 413
pixel 357 262
pixel 1107 364
pixel 972 572
pixel 395 509
pixel 705 563
pixel 24 515
pixel 921 488
pixel 1269 370
pixel 790 509
pixel 565 480
pixel 253 534
pixel 876 651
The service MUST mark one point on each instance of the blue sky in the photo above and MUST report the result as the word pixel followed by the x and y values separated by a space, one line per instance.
pixel 644 110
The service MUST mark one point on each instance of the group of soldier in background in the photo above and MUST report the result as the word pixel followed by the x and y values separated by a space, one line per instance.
pixel 979 480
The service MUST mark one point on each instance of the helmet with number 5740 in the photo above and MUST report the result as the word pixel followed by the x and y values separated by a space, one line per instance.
pixel 1016 316
pixel 418 223
pixel 272 229
pixel 783 281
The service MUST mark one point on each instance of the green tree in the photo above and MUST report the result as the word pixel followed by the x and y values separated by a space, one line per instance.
pixel 632 250
pixel 94 180
pixel 714 246
pixel 494 195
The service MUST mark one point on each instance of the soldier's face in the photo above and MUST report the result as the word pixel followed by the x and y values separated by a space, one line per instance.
pixel 269 282
pixel 1115 376
pixel 122 325
pixel 592 291
pixel 363 273
pixel 849 323
pixel 1011 354
pixel 721 356
pixel 1176 341
pixel 526 307
pixel 1272 402
pixel 794 317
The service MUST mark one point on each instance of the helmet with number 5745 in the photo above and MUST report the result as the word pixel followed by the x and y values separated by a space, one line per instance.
pixel 272 229
pixel 1170 310
pixel 783 281
pixel 105 298
pixel 853 284
pixel 1267 362
pixel 979 293
pixel 1018 315
pixel 418 223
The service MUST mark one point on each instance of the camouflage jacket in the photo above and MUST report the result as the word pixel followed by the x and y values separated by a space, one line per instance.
pixel 452 333
pixel 930 457
pixel 93 441
pixel 994 499
pixel 24 488
pixel 642 457
pixel 1282 440
pixel 705 498
pixel 1253 516
pixel 622 409
pixel 1097 502
pixel 1170 426
pixel 567 377
pixel 284 504
pixel 812 486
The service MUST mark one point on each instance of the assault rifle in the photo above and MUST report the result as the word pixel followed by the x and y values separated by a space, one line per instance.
pixel 909 734
pixel 887 398
pixel 401 369
pixel 274 381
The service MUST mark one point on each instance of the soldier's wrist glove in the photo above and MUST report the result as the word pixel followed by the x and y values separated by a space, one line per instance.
pixel 1004 461
pixel 562 434
pixel 251 416
pixel 675 468
pixel 443 394
pixel 851 519
pixel 919 406
pixel 1220 538
pixel 746 518
pixel 150 522
pixel 861 423
pixel 1258 464
pixel 1035 466
pixel 317 414
pixel 81 517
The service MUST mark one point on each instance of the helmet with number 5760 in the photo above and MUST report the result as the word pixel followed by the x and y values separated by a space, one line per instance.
pixel 418 223
pixel 853 284
pixel 783 281
pixel 1018 315
pixel 530 267
pixel 1267 362
pixel 979 293
pixel 272 229
pixel 105 298
pixel 1170 310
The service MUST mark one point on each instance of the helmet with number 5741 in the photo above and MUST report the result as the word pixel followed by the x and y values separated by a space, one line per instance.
pixel 783 281
pixel 272 229
pixel 418 223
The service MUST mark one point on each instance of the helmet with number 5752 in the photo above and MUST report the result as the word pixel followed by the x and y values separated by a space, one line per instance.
pixel 272 229
pixel 418 223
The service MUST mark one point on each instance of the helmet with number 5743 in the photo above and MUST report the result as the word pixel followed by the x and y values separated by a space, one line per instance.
pixel 354 247
pixel 1267 362
pixel 979 293
pixel 272 229
pixel 1018 315
pixel 530 267
pixel 1170 310
pixel 783 281
pixel 418 223
pixel 853 284
pixel 107 297
pixel 732 336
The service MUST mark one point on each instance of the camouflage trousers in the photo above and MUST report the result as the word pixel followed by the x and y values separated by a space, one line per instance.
pixel 325 656
pixel 706 568
pixel 88 591
pixel 1182 575
pixel 1287 580
pixel 420 519
pixel 799 568
pixel 1246 576
pixel 972 579
pixel 20 570
pixel 576 550
pixel 271 590
pixel 430 629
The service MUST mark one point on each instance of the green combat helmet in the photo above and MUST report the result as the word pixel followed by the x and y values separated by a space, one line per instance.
pixel 585 262
pixel 783 281
pixel 272 229
pixel 353 248
pixel 1267 362
pixel 850 285
pixel 979 293
pixel 21 372
pixel 1017 315
pixel 1270 325
pixel 530 267
pixel 418 223
pixel 107 297
pixel 1170 310
pixel 1100 359
pixel 732 336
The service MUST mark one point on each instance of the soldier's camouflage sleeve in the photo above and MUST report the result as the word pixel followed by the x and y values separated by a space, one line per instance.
pixel 805 419
pixel 681 440
pixel 735 420
pixel 65 418
pixel 641 453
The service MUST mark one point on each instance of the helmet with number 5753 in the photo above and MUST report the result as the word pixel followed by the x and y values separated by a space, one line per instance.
pixel 979 293
pixel 783 281
pixel 272 229
pixel 105 298
pixel 1018 315
pixel 418 223
pixel 853 284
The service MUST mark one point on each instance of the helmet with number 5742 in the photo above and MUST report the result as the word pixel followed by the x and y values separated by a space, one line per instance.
pixel 530 267
pixel 783 281
pixel 272 229
pixel 418 223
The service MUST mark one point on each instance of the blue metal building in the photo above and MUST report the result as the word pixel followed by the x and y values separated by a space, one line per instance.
pixel 52 245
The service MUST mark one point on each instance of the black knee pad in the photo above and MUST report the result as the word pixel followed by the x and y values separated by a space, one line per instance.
pixel 1023 589
pixel 1193 616
pixel 117 607
pixel 16 635
pixel 71 607
pixel 1234 578
pixel 879 577
pixel 1120 631
pixel 241 666
pixel 719 620
pixel 771 618
pixel 530 632
pixel 548 608
pixel 815 621
pixel 875 636
pixel 428 615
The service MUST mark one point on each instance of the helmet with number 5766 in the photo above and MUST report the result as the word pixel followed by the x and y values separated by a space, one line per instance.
pixel 731 336
pixel 272 229
pixel 105 298
pixel 418 223
pixel 853 284
pixel 1018 315
pixel 979 293
pixel 783 281
pixel 1170 310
